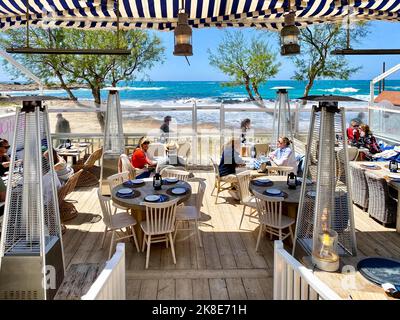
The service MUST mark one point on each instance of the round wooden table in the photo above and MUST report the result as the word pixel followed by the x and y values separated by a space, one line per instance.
pixel 136 206
pixel 293 198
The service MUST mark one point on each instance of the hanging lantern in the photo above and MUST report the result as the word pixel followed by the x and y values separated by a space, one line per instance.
pixel 290 36
pixel 292 180
pixel 183 36
pixel 157 181
pixel 393 166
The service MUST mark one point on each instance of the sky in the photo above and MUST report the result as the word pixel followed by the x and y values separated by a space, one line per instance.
pixel 382 35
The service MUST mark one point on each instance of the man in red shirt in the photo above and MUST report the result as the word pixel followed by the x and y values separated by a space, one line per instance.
pixel 140 160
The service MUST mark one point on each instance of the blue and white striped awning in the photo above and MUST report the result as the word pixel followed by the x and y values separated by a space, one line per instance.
pixel 162 14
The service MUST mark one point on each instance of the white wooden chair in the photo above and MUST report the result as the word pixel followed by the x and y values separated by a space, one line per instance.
pixel 246 198
pixel 280 170
pixel 115 223
pixel 270 217
pixel 192 213
pixel 183 151
pixel 220 182
pixel 115 180
pixel 168 172
pixel 125 165
pixel 159 225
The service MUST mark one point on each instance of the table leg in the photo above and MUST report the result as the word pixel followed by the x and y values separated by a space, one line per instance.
pixel 138 214
pixel 398 212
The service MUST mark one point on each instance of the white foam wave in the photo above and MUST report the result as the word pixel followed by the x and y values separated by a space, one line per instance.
pixel 392 87
pixel 350 89
pixel 141 88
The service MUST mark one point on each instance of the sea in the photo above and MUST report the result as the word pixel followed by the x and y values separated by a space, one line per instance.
pixel 213 93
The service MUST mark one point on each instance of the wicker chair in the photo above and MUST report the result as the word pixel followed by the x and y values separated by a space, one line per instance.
pixel 67 209
pixel 381 205
pixel 91 173
pixel 340 170
pixel 359 187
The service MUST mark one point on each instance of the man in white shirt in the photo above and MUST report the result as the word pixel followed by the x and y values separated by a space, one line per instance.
pixel 283 155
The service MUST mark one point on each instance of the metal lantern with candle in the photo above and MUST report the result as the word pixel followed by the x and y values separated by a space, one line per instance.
pixel 183 36
pixel 292 180
pixel 393 166
pixel 325 223
pixel 290 36
pixel 157 181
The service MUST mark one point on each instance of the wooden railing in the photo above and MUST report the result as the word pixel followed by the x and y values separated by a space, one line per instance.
pixel 110 285
pixel 293 281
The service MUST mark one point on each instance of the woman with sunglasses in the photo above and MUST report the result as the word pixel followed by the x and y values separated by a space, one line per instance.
pixel 283 155
pixel 4 158
pixel 353 132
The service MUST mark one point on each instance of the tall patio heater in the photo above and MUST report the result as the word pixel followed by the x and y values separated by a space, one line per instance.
pixel 282 125
pixel 325 222
pixel 113 139
pixel 31 250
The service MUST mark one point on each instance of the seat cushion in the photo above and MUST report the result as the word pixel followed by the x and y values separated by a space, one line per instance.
pixel 285 222
pixel 186 213
pixel 122 220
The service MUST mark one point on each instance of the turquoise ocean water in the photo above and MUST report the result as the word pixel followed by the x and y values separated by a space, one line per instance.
pixel 208 93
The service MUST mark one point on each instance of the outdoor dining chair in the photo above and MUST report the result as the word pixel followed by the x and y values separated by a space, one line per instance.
pixel 220 182
pixel 192 213
pixel 91 173
pixel 115 222
pixel 115 180
pixel 159 225
pixel 168 172
pixel 67 209
pixel 246 198
pixel 359 187
pixel 271 218
pixel 381 205
pixel 280 170
pixel 125 165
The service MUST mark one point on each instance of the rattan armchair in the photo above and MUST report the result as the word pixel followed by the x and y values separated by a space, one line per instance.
pixel 67 209
pixel 381 205
pixel 359 187
pixel 91 173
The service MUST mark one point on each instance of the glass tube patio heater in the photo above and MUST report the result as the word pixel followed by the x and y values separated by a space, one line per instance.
pixel 113 139
pixel 31 250
pixel 282 125
pixel 325 222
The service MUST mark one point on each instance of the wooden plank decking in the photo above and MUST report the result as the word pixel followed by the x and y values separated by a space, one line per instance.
pixel 227 267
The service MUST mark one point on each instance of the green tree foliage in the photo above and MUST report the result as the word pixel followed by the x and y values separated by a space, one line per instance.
pixel 316 62
pixel 95 71
pixel 247 62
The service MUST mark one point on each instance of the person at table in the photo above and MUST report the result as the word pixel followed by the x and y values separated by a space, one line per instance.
pixel 63 170
pixel 283 155
pixel 353 132
pixel 165 130
pixel 368 141
pixel 4 158
pixel 140 160
pixel 3 190
pixel 245 126
pixel 230 160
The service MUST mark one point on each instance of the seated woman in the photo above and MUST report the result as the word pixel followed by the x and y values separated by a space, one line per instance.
pixel 63 170
pixel 283 155
pixel 368 141
pixel 4 158
pixel 140 160
pixel 353 132
pixel 230 159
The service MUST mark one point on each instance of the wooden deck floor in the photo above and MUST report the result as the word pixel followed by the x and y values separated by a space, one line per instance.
pixel 227 267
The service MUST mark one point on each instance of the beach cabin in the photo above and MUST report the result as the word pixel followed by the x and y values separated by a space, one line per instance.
pixel 184 229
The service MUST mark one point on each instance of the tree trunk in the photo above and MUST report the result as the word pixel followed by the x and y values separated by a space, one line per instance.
pixel 308 88
pixel 255 89
pixel 97 102
pixel 64 86
pixel 247 86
